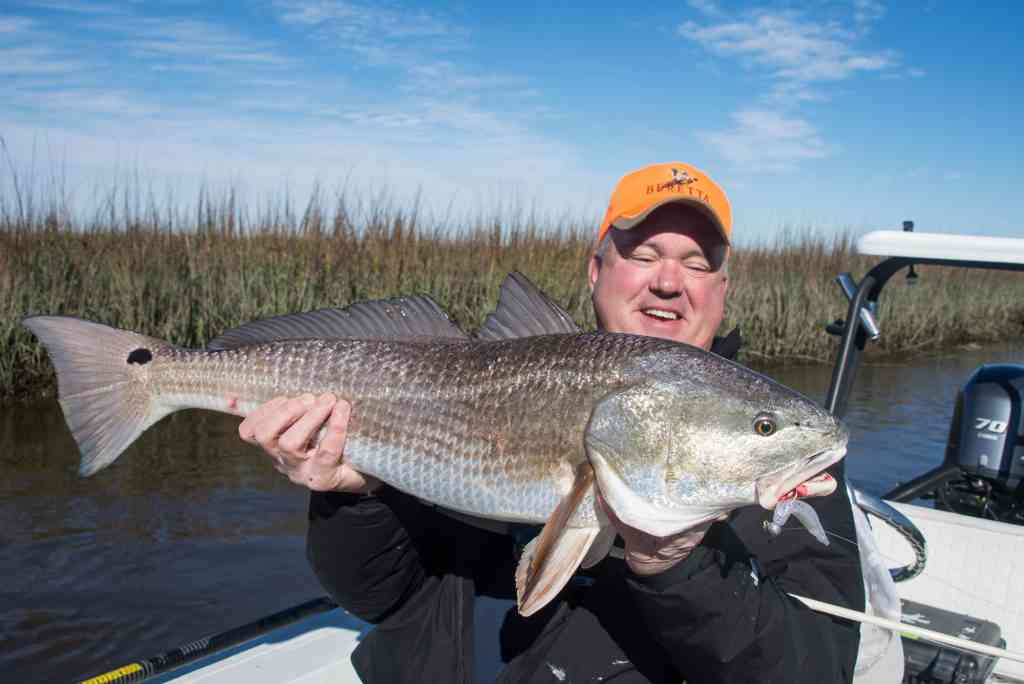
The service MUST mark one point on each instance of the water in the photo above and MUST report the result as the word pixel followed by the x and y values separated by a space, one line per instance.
pixel 192 532
pixel 188 535
pixel 899 412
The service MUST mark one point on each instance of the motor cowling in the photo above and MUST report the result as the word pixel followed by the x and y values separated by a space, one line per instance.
pixel 986 437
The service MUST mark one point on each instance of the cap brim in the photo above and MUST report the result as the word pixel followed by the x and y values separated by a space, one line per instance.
pixel 627 222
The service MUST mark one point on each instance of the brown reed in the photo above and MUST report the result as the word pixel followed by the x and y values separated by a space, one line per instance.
pixel 185 276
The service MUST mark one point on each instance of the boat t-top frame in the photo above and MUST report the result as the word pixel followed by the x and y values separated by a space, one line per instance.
pixel 904 249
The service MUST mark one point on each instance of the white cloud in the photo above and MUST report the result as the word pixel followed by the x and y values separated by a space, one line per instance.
pixel 800 59
pixel 385 119
pixel 34 61
pixel 867 11
pixel 188 42
pixel 433 90
pixel 29 50
pixel 80 101
pixel 366 22
pixel 14 25
pixel 794 51
pixel 77 7
pixel 439 76
pixel 433 115
pixel 264 160
pixel 763 140
pixel 427 50
pixel 706 7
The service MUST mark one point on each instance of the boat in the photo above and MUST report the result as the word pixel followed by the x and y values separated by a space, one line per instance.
pixel 956 565
pixel 975 533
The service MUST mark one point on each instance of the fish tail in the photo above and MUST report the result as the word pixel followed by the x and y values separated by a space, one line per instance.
pixel 105 400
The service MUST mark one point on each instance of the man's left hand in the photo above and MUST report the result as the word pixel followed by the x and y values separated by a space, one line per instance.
pixel 649 555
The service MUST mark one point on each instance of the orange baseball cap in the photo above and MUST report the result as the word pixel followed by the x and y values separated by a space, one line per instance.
pixel 641 192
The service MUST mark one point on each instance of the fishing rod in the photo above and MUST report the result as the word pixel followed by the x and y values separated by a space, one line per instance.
pixel 912 630
pixel 142 670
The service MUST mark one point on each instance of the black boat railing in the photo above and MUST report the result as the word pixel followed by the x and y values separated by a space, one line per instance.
pixel 864 298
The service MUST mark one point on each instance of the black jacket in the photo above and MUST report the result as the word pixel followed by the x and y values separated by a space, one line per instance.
pixel 721 615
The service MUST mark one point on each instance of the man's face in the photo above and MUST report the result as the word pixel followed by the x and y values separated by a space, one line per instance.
pixel 663 278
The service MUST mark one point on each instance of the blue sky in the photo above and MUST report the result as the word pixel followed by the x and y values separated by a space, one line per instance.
pixel 832 115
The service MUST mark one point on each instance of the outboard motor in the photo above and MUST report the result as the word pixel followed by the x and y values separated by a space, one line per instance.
pixel 983 472
pixel 986 445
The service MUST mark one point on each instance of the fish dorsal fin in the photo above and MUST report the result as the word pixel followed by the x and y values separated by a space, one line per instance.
pixel 401 317
pixel 524 311
pixel 552 557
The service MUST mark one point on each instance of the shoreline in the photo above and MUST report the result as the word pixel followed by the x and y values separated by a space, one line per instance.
pixel 186 287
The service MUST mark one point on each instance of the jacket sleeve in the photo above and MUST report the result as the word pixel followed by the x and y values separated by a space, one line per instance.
pixel 723 614
pixel 412 571
pixel 373 553
pixel 361 552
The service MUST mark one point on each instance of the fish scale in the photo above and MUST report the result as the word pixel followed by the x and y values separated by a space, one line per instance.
pixel 509 415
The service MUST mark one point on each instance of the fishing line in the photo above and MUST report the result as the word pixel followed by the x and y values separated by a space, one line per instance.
pixel 798 528
pixel 851 542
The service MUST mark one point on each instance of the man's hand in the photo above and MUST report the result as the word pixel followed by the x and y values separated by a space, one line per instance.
pixel 647 555
pixel 287 430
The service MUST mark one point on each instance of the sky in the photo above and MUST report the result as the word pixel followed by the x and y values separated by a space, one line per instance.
pixel 845 115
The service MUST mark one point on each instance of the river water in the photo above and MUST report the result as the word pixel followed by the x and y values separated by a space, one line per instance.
pixel 191 532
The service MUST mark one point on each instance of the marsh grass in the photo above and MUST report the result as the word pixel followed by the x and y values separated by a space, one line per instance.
pixel 187 275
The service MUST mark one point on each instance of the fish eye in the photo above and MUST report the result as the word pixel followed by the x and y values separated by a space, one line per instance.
pixel 764 426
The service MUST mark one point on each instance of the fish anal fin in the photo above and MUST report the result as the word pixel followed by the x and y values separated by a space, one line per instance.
pixel 552 557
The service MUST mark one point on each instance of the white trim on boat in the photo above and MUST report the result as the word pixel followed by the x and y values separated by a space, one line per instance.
pixel 894 243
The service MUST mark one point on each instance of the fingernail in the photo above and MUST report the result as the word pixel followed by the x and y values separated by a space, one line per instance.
pixel 326 399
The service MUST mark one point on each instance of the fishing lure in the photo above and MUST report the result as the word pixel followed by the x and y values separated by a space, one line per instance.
pixel 803 512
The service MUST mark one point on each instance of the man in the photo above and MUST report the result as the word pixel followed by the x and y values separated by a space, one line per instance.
pixel 707 605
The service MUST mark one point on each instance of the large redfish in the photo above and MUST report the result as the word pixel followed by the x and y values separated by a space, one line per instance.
pixel 517 423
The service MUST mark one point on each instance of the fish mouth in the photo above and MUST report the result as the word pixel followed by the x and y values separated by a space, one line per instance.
pixel 800 479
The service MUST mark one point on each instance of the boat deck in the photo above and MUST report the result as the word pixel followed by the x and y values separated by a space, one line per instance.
pixel 312 651
pixel 973 568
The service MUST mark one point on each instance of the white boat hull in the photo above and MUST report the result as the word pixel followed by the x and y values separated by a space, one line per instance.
pixel 974 567
pixel 314 650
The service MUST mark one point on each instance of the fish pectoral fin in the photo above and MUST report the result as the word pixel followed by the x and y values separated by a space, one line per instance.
pixel 552 557
pixel 600 547
pixel 540 578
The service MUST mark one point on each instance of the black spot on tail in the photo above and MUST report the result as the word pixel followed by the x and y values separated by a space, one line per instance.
pixel 140 356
